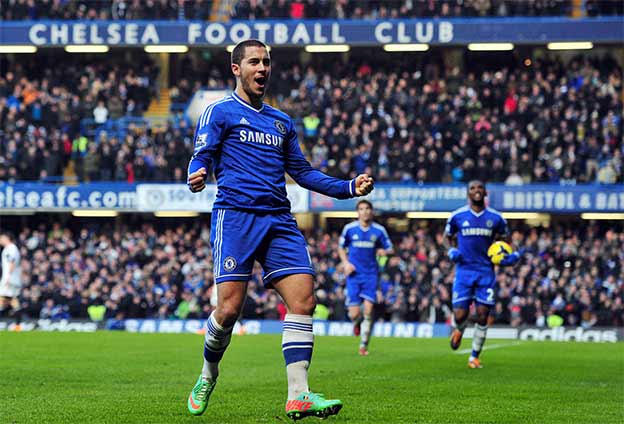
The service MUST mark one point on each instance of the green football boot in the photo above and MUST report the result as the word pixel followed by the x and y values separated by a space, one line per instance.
pixel 309 404
pixel 198 399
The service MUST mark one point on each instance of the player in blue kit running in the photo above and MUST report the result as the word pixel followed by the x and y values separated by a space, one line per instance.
pixel 360 242
pixel 475 227
pixel 249 146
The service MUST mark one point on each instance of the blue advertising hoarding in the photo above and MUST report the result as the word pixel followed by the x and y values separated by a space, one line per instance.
pixel 386 198
pixel 302 32
pixel 527 198
pixel 560 199
pixel 48 197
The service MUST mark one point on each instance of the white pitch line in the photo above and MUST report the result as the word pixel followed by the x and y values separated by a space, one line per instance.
pixel 487 347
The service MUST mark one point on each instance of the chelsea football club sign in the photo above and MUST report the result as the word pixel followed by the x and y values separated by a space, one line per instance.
pixel 303 32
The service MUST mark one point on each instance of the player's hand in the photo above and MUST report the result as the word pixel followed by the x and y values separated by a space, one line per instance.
pixel 364 184
pixel 197 180
pixel 512 258
pixel 348 268
pixel 455 255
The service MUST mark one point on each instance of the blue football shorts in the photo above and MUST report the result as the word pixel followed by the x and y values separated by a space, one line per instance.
pixel 239 238
pixel 472 285
pixel 361 286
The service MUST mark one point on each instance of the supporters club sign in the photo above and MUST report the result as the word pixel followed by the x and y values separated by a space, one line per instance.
pixel 303 32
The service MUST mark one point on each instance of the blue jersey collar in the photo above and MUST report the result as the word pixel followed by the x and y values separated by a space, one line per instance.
pixel 244 103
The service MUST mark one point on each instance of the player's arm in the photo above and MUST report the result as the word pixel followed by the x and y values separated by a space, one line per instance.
pixel 6 273
pixel 386 248
pixel 450 241
pixel 343 242
pixel 502 233
pixel 307 177
pixel 208 133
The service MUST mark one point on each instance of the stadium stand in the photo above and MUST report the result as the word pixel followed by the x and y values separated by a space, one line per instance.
pixel 105 9
pixel 351 9
pixel 555 121
pixel 143 270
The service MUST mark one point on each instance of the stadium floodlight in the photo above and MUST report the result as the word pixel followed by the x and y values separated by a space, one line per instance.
pixel 571 45
pixel 339 214
pixel 166 48
pixel 327 48
pixel 406 47
pixel 18 49
pixel 607 216
pixel 176 214
pixel 87 48
pixel 490 47
pixel 525 215
pixel 428 215
pixel 95 213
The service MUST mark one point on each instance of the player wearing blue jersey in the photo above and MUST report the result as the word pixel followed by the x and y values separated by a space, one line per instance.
pixel 360 243
pixel 473 228
pixel 250 146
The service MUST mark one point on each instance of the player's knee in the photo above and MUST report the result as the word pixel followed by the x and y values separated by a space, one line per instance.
pixel 303 306
pixel 460 316
pixel 227 314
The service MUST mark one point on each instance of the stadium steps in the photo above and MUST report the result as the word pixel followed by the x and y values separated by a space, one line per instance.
pixel 159 108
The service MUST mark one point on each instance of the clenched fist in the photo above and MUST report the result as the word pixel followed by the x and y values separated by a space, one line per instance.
pixel 364 184
pixel 197 180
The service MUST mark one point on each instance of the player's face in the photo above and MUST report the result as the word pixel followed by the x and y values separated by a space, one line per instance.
pixel 365 212
pixel 254 71
pixel 476 193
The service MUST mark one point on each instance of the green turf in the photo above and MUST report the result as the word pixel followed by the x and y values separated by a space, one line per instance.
pixel 111 377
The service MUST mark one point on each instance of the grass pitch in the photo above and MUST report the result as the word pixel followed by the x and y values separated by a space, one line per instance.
pixel 108 377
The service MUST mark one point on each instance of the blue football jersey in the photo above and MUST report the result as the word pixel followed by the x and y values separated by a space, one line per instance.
pixel 362 244
pixel 249 151
pixel 475 233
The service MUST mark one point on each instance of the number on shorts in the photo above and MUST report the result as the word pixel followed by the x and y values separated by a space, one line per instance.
pixel 490 293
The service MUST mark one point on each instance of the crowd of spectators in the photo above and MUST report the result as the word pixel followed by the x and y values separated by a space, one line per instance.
pixel 42 107
pixel 294 9
pixel 575 272
pixel 384 9
pixel 552 121
pixel 548 122
pixel 105 9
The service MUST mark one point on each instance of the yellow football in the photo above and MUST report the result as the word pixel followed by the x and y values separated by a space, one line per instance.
pixel 498 250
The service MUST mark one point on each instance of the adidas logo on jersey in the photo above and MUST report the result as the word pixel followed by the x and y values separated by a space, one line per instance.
pixel 243 121
pixel 466 224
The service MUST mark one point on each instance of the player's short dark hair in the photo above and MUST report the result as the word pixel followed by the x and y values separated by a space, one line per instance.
pixel 7 234
pixel 239 51
pixel 364 201
pixel 471 182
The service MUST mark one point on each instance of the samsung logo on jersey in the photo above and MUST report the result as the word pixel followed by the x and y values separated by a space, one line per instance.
pixel 476 232
pixel 366 244
pixel 262 138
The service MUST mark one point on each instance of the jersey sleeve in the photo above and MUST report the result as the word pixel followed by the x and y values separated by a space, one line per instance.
pixel 502 229
pixel 307 177
pixel 345 239
pixel 12 255
pixel 451 226
pixel 208 136
pixel 384 241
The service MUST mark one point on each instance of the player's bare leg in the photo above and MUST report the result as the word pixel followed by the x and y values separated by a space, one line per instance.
pixel 478 339
pixel 460 316
pixel 297 290
pixel 355 314
pixel 367 327
pixel 230 299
